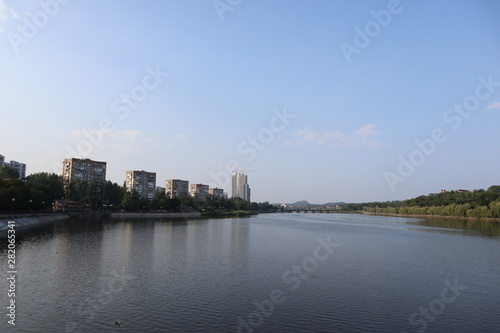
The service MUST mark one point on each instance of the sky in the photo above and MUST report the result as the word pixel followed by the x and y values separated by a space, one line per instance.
pixel 316 100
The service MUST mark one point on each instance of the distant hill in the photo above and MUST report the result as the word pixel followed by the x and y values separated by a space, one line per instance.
pixel 302 203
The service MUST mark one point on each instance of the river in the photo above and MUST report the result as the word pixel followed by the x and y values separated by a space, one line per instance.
pixel 266 273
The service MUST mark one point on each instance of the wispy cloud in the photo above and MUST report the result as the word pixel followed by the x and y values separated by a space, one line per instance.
pixel 6 13
pixel 307 134
pixel 130 135
pixel 364 137
pixel 85 133
pixel 367 131
pixel 182 137
pixel 494 105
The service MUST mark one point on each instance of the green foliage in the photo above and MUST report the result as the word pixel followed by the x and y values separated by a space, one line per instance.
pixel 14 195
pixel 44 188
pixel 37 192
pixel 40 190
pixel 210 204
pixel 477 203
pixel 113 194
pixel 133 202
pixel 8 173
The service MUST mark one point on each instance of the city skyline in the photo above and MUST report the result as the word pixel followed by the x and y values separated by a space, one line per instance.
pixel 325 101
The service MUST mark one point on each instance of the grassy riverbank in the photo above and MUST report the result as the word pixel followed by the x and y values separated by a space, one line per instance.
pixel 428 216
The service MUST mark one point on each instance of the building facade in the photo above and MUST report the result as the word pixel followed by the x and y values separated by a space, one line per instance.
pixel 240 188
pixel 84 178
pixel 19 167
pixel 216 192
pixel 143 182
pixel 198 191
pixel 175 188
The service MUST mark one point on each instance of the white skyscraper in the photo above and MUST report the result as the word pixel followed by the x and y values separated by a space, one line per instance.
pixel 240 189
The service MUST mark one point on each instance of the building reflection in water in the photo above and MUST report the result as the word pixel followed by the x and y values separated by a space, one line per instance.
pixel 240 240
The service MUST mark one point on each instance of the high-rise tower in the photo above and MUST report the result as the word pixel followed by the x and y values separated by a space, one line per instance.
pixel 240 188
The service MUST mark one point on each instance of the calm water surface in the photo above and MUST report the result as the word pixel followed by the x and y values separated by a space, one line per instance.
pixel 268 273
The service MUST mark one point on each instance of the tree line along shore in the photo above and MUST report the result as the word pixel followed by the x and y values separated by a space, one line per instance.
pixel 39 191
pixel 461 203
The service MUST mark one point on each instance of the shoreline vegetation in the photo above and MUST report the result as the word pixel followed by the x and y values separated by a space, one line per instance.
pixel 477 204
pixel 34 197
pixel 428 217
pixel 39 192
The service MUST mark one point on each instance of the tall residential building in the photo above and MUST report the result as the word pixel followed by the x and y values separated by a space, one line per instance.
pixel 143 182
pixel 20 167
pixel 175 188
pixel 92 173
pixel 216 192
pixel 198 191
pixel 240 187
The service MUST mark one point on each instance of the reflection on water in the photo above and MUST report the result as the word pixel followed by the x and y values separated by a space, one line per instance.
pixel 467 227
pixel 204 275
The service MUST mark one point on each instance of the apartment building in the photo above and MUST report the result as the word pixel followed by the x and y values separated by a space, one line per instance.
pixel 216 192
pixel 143 182
pixel 175 188
pixel 20 167
pixel 86 173
pixel 198 191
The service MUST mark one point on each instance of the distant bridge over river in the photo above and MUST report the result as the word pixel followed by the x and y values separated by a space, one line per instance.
pixel 312 210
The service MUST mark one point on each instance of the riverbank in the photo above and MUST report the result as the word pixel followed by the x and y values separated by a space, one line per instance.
pixel 134 215
pixel 184 215
pixel 24 224
pixel 465 218
pixel 234 213
pixel 27 222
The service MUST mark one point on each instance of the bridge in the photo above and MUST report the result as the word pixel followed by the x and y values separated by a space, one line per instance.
pixel 312 210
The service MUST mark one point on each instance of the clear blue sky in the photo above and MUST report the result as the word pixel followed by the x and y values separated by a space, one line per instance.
pixel 353 93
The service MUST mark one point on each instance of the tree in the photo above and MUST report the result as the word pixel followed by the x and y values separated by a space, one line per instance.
pixel 112 194
pixel 132 201
pixel 44 189
pixel 8 173
pixel 14 195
